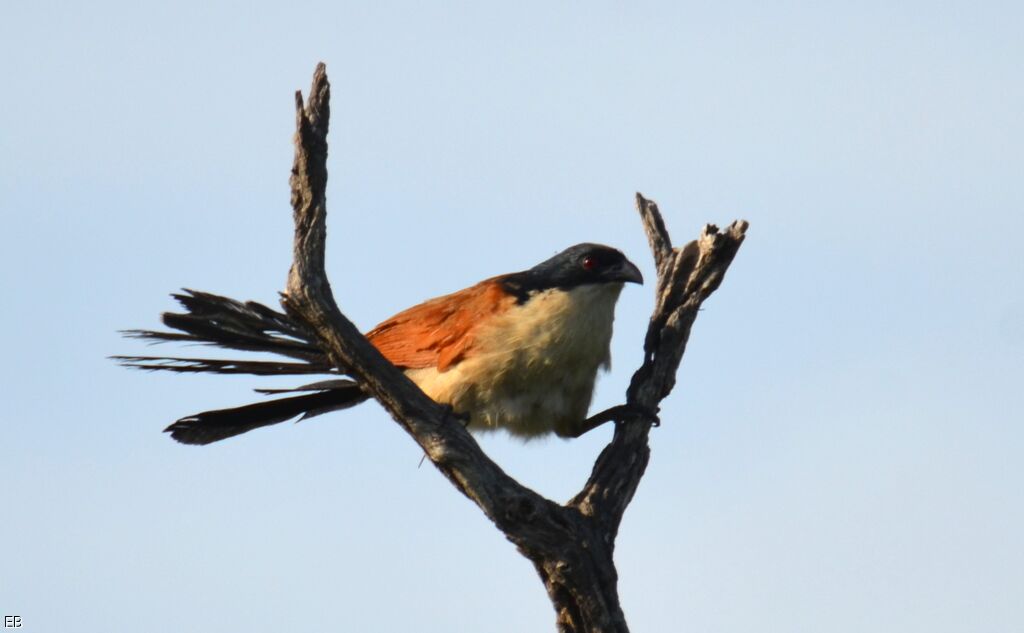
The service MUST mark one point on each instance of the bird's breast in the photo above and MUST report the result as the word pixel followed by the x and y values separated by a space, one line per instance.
pixel 533 367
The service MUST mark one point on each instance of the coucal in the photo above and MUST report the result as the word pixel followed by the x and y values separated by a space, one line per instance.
pixel 519 351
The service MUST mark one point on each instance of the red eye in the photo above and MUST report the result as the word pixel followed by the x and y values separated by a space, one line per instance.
pixel 589 263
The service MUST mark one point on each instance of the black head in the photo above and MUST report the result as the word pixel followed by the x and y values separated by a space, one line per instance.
pixel 576 266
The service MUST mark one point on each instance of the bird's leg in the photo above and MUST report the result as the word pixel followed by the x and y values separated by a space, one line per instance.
pixel 620 413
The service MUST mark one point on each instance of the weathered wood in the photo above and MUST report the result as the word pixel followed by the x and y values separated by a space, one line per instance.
pixel 570 545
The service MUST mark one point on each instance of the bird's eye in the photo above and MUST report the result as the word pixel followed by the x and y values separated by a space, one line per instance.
pixel 589 262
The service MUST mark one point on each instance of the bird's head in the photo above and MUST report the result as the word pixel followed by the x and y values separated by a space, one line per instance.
pixel 579 265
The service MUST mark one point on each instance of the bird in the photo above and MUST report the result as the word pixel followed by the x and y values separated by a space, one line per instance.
pixel 519 351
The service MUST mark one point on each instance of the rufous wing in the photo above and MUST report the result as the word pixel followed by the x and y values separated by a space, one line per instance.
pixel 440 332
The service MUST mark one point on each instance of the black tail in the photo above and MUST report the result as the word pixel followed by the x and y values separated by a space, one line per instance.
pixel 213 426
pixel 211 319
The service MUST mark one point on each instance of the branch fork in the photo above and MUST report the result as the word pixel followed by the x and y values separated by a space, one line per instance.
pixel 570 545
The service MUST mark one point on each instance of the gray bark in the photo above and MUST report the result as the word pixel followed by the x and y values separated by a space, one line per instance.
pixel 570 545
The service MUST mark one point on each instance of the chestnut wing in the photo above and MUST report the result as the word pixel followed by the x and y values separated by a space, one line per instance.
pixel 440 332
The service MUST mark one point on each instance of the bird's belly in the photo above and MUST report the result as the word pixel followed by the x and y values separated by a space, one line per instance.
pixel 527 400
pixel 534 375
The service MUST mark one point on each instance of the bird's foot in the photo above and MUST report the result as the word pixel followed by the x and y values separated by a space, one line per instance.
pixel 620 413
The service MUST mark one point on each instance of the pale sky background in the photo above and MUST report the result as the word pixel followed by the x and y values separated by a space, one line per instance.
pixel 842 453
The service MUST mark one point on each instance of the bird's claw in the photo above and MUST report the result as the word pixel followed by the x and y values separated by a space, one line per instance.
pixel 620 413
pixel 633 412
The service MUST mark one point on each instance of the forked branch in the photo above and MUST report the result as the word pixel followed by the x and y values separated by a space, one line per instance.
pixel 570 545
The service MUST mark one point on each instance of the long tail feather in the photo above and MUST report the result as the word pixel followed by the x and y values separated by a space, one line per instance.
pixel 212 426
pixel 322 385
pixel 211 319
pixel 217 366
pixel 221 321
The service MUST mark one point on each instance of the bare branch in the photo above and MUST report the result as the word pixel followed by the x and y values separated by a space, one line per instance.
pixel 686 277
pixel 571 546
pixel 309 299
pixel 654 227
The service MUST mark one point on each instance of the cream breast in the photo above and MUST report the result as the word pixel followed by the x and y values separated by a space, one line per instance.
pixel 534 367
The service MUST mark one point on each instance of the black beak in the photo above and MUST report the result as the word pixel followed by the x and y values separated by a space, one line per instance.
pixel 627 271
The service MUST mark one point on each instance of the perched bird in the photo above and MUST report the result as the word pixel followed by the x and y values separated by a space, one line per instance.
pixel 519 351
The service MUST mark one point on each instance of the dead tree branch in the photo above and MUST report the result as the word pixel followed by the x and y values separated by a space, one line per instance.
pixel 570 545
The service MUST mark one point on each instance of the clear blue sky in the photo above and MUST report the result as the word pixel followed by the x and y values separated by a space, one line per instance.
pixel 842 453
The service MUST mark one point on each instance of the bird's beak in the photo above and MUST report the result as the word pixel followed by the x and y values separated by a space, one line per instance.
pixel 627 271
